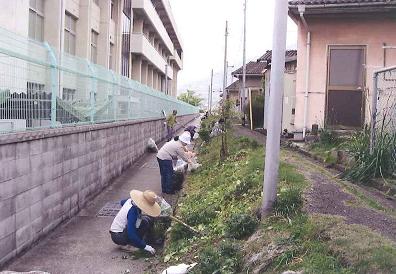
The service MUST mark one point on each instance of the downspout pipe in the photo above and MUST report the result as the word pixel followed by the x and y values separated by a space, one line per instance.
pixel 301 10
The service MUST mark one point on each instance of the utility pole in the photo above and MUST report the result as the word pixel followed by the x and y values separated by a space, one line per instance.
pixel 225 63
pixel 275 104
pixel 244 61
pixel 211 92
pixel 208 98
pixel 224 149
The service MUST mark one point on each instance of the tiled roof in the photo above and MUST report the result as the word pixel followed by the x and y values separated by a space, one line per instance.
pixel 252 68
pixel 321 2
pixel 291 55
pixel 234 86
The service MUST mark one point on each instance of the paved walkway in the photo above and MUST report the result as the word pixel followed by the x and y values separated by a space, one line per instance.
pixel 83 244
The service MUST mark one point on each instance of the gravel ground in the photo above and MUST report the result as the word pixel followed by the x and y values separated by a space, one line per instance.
pixel 326 195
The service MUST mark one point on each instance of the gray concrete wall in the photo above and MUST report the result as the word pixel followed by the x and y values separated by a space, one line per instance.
pixel 47 176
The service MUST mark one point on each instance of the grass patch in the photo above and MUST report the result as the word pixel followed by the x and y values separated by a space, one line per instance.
pixel 222 200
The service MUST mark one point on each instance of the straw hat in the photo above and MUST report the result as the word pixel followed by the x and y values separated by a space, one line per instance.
pixel 146 201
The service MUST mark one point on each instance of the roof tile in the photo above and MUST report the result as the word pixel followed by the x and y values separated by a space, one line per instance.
pixel 319 2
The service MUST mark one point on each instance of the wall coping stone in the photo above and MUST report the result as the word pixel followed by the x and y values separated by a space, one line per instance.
pixel 24 136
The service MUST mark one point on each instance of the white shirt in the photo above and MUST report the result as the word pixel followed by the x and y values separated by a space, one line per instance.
pixel 171 150
pixel 121 219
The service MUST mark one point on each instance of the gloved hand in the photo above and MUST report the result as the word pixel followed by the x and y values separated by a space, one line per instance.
pixel 149 249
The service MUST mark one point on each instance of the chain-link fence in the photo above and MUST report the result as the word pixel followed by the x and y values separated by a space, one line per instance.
pixel 41 88
pixel 383 118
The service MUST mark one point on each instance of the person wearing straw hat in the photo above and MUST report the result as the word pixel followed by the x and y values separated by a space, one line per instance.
pixel 129 226
pixel 172 150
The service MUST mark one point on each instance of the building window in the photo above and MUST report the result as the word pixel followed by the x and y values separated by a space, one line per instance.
pixel 70 34
pixel 123 108
pixel 68 94
pixel 126 29
pixel 112 10
pixel 36 20
pixel 94 46
pixel 111 57
pixel 34 88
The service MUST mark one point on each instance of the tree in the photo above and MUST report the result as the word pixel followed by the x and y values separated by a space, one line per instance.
pixel 190 98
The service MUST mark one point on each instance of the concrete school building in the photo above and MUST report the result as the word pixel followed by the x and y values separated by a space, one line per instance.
pixel 137 39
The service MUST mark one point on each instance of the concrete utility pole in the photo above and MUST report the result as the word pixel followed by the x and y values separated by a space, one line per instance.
pixel 225 63
pixel 211 92
pixel 243 93
pixel 208 98
pixel 275 104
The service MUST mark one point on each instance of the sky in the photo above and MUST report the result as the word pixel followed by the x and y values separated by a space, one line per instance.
pixel 201 25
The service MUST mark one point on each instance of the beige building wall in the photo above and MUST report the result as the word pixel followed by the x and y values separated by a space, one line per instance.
pixel 289 99
pixel 370 32
pixel 154 54
pixel 155 45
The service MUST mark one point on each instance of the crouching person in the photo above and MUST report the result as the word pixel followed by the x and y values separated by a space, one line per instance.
pixel 130 227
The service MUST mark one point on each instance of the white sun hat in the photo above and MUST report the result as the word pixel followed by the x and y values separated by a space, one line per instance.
pixel 185 138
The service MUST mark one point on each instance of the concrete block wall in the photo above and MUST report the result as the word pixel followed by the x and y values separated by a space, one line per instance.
pixel 47 176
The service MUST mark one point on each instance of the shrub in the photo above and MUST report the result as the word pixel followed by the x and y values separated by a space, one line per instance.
pixel 179 232
pixel 380 163
pixel 204 134
pixel 226 258
pixel 328 137
pixel 289 202
pixel 240 226
pixel 201 216
pixel 257 111
pixel 245 142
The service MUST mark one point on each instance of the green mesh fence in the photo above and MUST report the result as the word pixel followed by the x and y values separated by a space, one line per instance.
pixel 41 88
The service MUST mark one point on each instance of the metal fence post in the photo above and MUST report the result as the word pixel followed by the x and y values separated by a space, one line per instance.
pixel 113 96
pixel 54 83
pixel 130 100
pixel 374 111
pixel 92 93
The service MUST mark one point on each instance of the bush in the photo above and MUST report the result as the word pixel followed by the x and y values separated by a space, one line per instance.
pixel 245 142
pixel 201 216
pixel 179 232
pixel 240 226
pixel 257 111
pixel 204 134
pixel 380 163
pixel 289 202
pixel 245 185
pixel 328 137
pixel 226 258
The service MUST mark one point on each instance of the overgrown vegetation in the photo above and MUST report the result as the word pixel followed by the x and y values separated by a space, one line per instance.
pixel 363 165
pixel 257 111
pixel 380 162
pixel 222 200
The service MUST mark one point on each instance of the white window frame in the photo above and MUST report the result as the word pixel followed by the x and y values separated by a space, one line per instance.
pixel 33 8
pixel 71 33
pixel 94 46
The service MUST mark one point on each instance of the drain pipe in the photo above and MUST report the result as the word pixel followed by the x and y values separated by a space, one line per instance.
pixel 301 9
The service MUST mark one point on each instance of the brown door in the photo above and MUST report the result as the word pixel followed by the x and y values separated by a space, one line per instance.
pixel 345 86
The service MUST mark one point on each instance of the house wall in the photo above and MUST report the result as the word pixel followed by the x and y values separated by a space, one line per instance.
pixel 289 99
pixel 370 32
pixel 47 176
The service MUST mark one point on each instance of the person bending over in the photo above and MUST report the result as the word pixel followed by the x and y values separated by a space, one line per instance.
pixel 172 150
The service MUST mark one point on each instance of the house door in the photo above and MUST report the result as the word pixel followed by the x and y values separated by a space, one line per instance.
pixel 345 87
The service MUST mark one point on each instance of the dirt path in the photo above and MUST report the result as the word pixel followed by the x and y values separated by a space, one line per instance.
pixel 329 195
